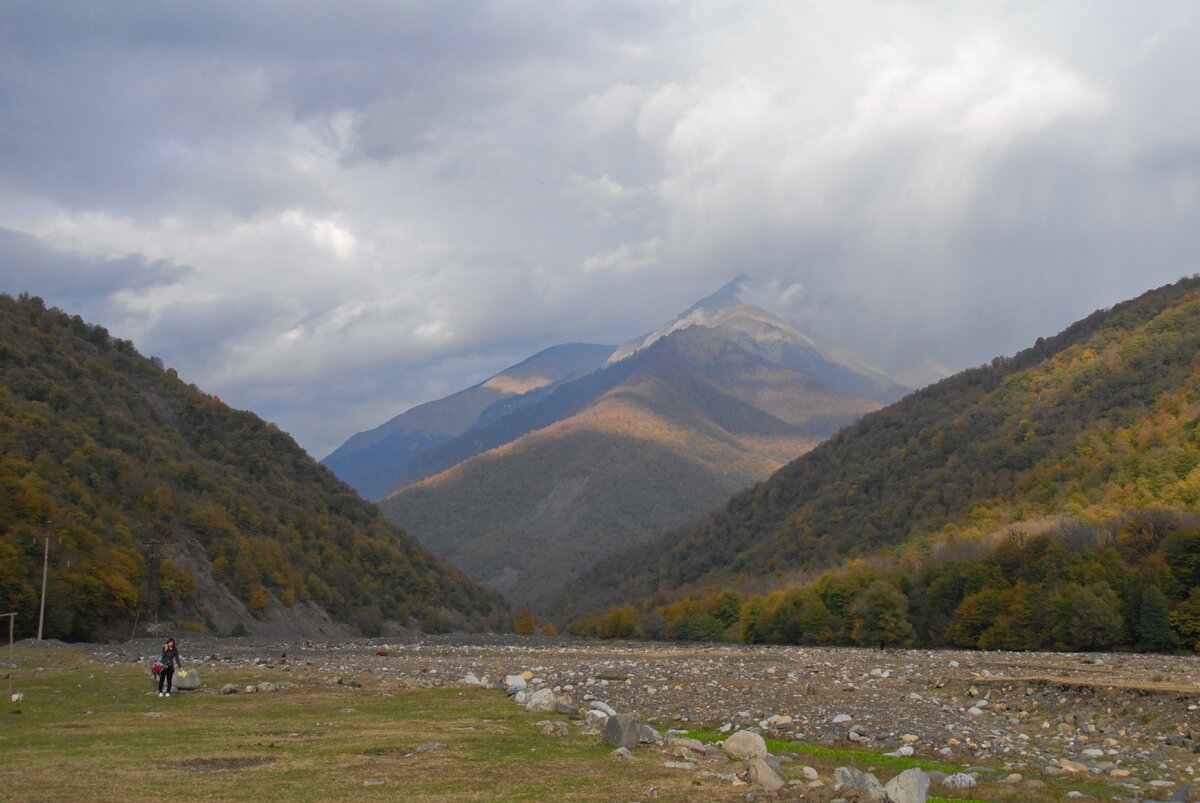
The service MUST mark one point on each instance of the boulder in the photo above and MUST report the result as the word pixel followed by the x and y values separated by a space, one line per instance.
pixel 595 720
pixel 647 734
pixel 542 701
pixel 766 776
pixel 514 683
pixel 959 780
pixel 910 786
pixel 622 731
pixel 186 679
pixel 868 787
pixel 745 744
pixel 602 707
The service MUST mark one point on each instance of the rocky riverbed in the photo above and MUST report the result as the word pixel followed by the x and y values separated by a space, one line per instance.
pixel 1130 721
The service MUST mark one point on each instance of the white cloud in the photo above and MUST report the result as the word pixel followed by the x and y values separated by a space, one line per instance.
pixel 628 258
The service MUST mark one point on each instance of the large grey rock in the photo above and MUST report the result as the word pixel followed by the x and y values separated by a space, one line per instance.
pixel 595 718
pixel 603 707
pixel 766 776
pixel 745 744
pixel 186 679
pixel 514 683
pixel 648 735
pixel 959 780
pixel 910 786
pixel 622 731
pixel 868 787
pixel 542 701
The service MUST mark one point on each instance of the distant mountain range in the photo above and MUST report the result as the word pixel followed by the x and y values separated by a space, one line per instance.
pixel 583 451
pixel 162 502
pixel 1094 425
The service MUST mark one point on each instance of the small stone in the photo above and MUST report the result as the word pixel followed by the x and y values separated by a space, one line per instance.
pixel 229 688
pixel 1012 778
pixel 908 738
pixel 1067 765
pixel 840 718
pixel 556 728
pixel 621 752
pixel 429 747
pixel 809 773
pixel 680 765
pixel 374 782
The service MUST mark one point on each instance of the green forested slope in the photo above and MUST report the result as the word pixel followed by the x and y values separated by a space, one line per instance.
pixel 126 462
pixel 1096 423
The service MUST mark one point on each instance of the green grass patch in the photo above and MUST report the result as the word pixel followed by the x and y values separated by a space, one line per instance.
pixel 843 755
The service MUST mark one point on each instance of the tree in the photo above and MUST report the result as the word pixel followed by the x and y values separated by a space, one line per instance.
pixel 880 616
pixel 523 622
pixel 1087 617
pixel 1154 624
pixel 1186 619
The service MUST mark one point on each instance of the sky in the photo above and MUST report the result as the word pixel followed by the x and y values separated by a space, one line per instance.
pixel 327 213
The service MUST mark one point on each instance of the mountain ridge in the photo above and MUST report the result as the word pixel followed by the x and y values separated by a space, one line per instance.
pixel 162 500
pixel 992 441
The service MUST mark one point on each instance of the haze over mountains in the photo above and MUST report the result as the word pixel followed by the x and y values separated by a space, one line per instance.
pixel 584 464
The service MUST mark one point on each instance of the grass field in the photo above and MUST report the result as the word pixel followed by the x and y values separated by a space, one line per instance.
pixel 89 731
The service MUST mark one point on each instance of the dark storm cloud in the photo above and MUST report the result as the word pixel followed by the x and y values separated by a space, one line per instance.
pixel 77 281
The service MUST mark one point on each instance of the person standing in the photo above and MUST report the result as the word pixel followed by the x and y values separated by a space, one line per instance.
pixel 169 660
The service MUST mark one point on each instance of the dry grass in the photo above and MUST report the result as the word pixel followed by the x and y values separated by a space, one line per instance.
pixel 87 731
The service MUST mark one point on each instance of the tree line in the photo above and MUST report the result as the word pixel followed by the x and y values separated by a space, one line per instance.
pixel 1130 583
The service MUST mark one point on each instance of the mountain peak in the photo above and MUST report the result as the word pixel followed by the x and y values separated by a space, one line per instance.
pixel 724 308
pixel 729 293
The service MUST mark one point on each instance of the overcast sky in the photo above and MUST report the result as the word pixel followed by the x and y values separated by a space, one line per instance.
pixel 329 212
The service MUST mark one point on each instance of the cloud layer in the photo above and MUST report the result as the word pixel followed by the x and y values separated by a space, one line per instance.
pixel 328 215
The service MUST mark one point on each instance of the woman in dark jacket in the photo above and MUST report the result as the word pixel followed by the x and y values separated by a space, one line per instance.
pixel 169 660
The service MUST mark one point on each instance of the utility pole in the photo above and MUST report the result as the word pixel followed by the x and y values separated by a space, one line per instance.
pixel 45 570
pixel 12 618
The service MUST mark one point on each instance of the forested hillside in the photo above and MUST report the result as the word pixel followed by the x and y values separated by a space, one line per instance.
pixel 1097 427
pixel 161 501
